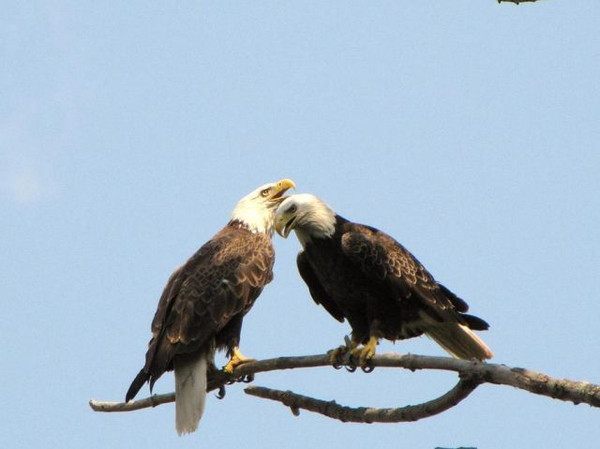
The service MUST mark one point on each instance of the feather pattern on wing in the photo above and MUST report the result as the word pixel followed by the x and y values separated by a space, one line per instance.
pixel 441 314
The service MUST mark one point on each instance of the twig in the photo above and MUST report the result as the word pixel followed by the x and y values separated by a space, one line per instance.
pixel 332 409
pixel 516 2
pixel 152 401
pixel 534 382
pixel 216 381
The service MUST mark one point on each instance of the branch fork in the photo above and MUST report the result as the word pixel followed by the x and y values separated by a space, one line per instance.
pixel 471 375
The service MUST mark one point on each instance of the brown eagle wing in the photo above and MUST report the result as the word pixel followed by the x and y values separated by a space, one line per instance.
pixel 317 292
pixel 220 281
pixel 383 258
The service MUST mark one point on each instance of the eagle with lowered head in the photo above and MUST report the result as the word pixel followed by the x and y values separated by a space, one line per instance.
pixel 361 274
pixel 204 302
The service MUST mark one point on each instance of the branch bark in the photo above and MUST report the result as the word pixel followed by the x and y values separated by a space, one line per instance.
pixel 369 415
pixel 534 382
pixel 516 2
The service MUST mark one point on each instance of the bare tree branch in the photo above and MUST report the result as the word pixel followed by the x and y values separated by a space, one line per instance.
pixel 152 401
pixel 516 2
pixel 216 381
pixel 332 409
pixel 534 382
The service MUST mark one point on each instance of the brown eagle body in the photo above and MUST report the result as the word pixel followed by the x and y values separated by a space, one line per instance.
pixel 361 274
pixel 204 302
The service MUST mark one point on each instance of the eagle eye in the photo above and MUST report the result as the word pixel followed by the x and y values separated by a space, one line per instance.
pixel 265 192
pixel 292 208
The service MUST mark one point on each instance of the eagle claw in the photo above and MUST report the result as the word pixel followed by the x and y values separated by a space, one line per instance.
pixel 365 354
pixel 336 356
pixel 351 368
pixel 236 359
pixel 368 367
pixel 221 393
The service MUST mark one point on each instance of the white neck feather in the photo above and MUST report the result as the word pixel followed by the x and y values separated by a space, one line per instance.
pixel 315 222
pixel 257 219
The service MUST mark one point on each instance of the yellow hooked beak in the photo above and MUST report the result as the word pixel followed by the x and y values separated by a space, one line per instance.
pixel 284 222
pixel 276 193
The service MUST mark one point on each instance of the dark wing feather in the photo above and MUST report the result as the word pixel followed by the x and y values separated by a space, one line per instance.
pixel 439 312
pixel 383 258
pixel 222 280
pixel 318 293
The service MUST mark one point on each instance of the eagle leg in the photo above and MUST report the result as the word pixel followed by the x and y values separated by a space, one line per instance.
pixel 236 359
pixel 365 354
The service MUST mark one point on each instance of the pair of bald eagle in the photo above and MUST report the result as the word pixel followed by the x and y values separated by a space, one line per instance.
pixel 355 272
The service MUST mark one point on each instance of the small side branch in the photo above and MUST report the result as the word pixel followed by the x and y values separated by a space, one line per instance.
pixel 332 409
pixel 215 382
pixel 152 401
pixel 516 2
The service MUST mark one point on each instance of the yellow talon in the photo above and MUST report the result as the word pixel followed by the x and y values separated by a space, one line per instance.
pixel 236 359
pixel 337 355
pixel 365 353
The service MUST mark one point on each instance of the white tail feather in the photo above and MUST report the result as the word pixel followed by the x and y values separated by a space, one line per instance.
pixel 460 342
pixel 190 393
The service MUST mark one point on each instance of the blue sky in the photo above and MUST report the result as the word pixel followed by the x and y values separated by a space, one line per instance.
pixel 467 130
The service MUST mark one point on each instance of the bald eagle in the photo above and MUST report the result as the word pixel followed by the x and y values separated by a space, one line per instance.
pixel 361 274
pixel 204 302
